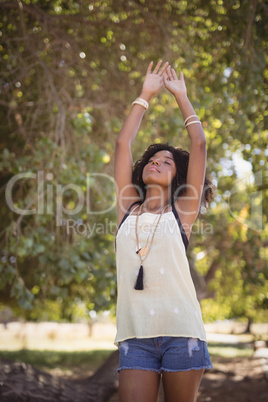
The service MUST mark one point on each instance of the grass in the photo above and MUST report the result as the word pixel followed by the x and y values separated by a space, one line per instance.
pixel 230 350
pixel 48 360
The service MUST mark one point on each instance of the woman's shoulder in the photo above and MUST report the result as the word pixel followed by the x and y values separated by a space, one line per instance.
pixel 127 209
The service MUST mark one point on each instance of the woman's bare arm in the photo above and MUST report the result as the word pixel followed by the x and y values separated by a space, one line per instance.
pixel 189 203
pixel 125 191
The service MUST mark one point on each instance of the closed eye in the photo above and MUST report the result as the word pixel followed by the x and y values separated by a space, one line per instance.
pixel 151 160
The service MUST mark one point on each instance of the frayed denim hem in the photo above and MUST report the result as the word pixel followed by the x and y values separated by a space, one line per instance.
pixel 189 369
pixel 163 369
pixel 138 368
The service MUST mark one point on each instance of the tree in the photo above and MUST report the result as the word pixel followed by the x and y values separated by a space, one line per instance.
pixel 70 70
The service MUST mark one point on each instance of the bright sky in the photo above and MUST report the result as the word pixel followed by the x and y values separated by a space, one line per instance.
pixel 242 167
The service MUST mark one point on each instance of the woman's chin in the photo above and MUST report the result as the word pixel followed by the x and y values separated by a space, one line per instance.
pixel 153 181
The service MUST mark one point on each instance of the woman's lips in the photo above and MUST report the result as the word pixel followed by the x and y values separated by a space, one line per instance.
pixel 154 169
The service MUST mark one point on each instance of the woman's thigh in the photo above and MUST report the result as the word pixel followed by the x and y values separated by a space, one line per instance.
pixel 138 385
pixel 181 386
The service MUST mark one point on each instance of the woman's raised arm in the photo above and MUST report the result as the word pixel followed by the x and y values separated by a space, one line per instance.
pixel 125 191
pixel 189 203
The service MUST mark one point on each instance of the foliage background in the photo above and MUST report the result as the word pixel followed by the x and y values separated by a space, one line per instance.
pixel 69 72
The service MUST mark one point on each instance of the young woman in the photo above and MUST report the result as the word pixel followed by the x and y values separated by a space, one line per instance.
pixel 160 330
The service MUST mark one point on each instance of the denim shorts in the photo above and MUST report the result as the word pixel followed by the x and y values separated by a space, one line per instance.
pixel 164 353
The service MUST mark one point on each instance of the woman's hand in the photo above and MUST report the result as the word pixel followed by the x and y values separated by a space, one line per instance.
pixel 154 80
pixel 174 84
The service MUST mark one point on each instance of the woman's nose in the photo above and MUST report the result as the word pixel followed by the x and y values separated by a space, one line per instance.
pixel 156 161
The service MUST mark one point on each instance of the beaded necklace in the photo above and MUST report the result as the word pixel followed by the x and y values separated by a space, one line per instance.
pixel 143 252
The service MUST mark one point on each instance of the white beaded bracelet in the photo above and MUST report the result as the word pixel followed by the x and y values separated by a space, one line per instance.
pixel 192 122
pixel 141 102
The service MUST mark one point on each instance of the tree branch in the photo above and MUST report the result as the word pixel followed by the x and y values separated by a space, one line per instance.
pixel 252 10
pixel 211 272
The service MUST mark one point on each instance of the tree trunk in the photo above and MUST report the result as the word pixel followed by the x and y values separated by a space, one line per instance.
pixel 22 382
pixel 248 329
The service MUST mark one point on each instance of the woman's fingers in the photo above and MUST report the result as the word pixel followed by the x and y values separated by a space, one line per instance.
pixel 163 68
pixel 149 69
pixel 169 75
pixel 174 75
pixel 157 67
pixel 166 79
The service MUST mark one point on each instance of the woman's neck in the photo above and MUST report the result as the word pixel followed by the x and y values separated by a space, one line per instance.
pixel 154 202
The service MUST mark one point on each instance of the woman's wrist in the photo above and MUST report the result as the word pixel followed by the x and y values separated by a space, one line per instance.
pixel 146 96
pixel 181 97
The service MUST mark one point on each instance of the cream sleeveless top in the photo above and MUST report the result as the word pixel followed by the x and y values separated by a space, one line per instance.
pixel 167 306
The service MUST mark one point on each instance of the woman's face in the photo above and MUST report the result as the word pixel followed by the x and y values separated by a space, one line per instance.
pixel 160 169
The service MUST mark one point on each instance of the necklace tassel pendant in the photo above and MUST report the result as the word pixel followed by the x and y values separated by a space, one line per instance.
pixel 139 281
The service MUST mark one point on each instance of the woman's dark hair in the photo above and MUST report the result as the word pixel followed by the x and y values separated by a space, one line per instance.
pixel 178 186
